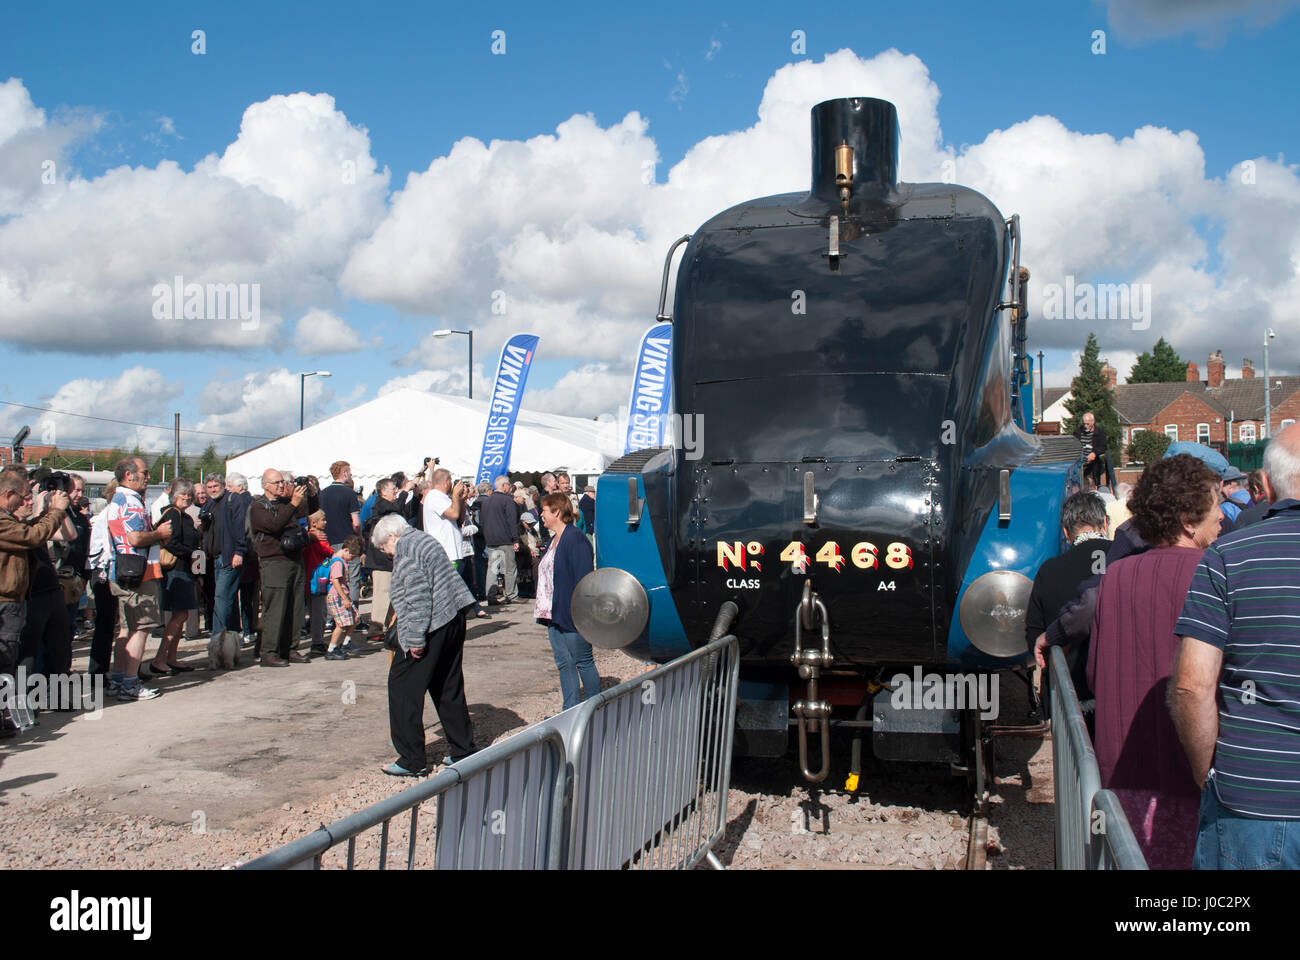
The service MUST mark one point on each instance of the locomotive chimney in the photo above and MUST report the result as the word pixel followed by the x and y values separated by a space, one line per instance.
pixel 854 148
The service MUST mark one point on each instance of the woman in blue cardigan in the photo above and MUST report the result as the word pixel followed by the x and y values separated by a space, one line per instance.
pixel 567 560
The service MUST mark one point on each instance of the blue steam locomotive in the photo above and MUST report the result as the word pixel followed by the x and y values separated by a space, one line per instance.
pixel 862 502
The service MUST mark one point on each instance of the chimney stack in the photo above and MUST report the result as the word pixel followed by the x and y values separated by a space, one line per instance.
pixel 1111 375
pixel 1215 369
pixel 1248 369
pixel 1193 373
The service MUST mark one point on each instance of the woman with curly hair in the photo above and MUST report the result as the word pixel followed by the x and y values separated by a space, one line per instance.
pixel 1175 509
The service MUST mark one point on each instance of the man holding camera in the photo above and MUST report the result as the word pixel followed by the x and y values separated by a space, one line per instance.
pixel 135 576
pixel 273 519
pixel 443 509
pixel 19 539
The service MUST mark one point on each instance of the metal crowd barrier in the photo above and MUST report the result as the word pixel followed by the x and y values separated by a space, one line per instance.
pixel 635 777
pixel 503 807
pixel 1077 783
pixel 1113 847
pixel 652 765
pixel 13 703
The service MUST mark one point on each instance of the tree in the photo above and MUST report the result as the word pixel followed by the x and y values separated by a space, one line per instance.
pixel 1161 365
pixel 1090 392
pixel 208 462
pixel 1147 446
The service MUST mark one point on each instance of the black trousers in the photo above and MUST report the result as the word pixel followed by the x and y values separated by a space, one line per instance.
pixel 282 605
pixel 437 673
pixel 101 645
pixel 207 596
pixel 47 636
pixel 316 606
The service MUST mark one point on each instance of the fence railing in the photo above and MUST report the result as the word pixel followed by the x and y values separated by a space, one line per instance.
pixel 635 777
pixel 1077 783
pixel 652 765
pixel 1113 845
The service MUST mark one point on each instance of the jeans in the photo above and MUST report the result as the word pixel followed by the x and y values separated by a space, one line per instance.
pixel 480 569
pixel 502 560
pixel 574 660
pixel 223 600
pixel 1226 840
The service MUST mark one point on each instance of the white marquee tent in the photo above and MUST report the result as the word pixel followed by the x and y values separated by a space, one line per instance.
pixel 398 430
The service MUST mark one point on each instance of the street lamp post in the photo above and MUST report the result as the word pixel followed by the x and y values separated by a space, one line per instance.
pixel 470 334
pixel 1039 418
pixel 1268 406
pixel 302 391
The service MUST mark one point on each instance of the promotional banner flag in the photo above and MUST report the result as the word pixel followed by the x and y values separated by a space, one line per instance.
pixel 651 382
pixel 507 392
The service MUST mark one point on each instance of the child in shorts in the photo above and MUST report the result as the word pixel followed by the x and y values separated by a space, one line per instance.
pixel 339 603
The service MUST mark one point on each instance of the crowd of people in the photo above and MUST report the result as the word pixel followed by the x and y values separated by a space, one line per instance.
pixel 283 573
pixel 1178 607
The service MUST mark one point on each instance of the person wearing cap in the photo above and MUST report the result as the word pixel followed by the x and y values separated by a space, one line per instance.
pixel 1232 490
pixel 1235 494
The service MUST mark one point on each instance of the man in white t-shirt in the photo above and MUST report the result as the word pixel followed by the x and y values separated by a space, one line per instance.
pixel 444 506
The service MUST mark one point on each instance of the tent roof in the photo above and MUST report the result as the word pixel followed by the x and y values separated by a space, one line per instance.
pixel 399 429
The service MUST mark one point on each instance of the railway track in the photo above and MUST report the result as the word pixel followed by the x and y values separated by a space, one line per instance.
pixel 977 843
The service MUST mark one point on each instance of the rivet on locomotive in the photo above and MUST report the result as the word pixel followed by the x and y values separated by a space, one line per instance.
pixel 866 503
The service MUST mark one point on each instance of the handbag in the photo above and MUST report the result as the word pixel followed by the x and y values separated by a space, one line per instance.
pixel 72 585
pixel 166 559
pixel 294 538
pixel 128 572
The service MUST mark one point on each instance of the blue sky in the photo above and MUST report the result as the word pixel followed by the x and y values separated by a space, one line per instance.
pixel 419 77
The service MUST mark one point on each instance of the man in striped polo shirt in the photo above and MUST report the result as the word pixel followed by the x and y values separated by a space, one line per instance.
pixel 1240 630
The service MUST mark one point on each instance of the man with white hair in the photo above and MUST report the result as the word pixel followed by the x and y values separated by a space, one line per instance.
pixel 1240 630
pixel 430 600
pixel 501 533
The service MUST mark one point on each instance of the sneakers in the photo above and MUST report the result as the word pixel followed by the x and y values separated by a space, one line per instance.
pixel 250 640
pixel 335 655
pixel 349 649
pixel 136 691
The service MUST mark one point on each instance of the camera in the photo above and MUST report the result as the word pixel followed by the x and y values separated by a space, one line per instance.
pixel 58 480
pixel 301 481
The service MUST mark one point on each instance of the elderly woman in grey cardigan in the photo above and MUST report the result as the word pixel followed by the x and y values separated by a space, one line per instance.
pixel 429 600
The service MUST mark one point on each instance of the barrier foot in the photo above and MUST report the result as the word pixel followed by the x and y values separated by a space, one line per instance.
pixel 712 860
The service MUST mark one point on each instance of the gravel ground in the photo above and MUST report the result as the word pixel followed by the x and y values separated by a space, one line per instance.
pixel 902 817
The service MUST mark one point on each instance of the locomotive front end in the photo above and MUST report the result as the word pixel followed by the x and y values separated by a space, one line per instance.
pixel 852 373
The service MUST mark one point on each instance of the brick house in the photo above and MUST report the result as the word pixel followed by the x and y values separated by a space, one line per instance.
pixel 1215 411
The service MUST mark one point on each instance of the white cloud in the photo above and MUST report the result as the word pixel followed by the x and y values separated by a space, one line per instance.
pixel 593 389
pixel 320 332
pixel 564 234
pixel 280 208
pixel 141 395
pixel 1210 20
pixel 714 47
pixel 429 381
pixel 262 403
pixel 33 149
